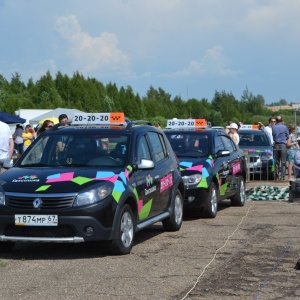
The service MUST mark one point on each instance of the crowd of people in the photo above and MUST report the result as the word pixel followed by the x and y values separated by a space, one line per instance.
pixel 283 138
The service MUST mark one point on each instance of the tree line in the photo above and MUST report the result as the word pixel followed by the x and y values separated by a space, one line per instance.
pixel 90 95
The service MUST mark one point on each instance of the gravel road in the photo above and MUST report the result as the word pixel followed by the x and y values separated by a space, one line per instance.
pixel 249 252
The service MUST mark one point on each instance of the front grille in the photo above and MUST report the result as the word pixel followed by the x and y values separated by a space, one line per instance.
pixel 46 202
pixel 254 159
pixel 61 231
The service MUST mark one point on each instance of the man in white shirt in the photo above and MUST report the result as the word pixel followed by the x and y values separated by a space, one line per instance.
pixel 268 129
pixel 6 144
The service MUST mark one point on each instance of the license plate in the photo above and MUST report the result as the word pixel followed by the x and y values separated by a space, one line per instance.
pixel 36 220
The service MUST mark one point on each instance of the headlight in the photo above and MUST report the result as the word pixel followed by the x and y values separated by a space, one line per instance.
pixel 93 195
pixel 192 179
pixel 2 196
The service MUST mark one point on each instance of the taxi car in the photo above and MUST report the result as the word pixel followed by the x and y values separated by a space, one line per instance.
pixel 108 179
pixel 212 167
pixel 258 150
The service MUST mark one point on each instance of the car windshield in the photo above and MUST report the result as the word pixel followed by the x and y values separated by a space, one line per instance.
pixel 109 150
pixel 253 139
pixel 192 144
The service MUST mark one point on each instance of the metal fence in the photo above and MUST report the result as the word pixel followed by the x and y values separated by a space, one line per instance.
pixel 261 165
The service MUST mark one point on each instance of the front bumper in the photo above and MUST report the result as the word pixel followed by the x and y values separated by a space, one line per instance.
pixel 195 197
pixel 75 224
pixel 69 230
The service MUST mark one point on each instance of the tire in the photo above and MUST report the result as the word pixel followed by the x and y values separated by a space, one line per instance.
pixel 240 197
pixel 211 207
pixel 124 234
pixel 6 247
pixel 174 221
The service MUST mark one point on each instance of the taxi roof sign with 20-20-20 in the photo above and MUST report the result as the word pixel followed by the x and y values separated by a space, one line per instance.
pixel 187 123
pixel 98 118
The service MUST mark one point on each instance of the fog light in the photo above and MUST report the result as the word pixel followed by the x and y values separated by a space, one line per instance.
pixel 191 199
pixel 89 230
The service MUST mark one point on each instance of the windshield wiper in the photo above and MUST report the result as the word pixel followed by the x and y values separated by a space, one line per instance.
pixel 35 165
pixel 72 165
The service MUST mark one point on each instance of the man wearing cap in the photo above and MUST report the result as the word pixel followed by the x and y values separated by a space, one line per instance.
pixel 233 127
pixel 280 135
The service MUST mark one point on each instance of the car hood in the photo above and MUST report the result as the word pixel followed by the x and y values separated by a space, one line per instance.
pixel 54 180
pixel 192 165
pixel 257 151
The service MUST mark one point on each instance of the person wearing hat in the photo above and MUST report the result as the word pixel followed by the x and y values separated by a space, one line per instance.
pixel 227 130
pixel 233 132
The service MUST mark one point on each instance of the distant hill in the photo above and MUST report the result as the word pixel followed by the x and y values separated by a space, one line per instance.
pixel 279 107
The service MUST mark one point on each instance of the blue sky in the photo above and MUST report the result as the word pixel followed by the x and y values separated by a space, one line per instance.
pixel 189 48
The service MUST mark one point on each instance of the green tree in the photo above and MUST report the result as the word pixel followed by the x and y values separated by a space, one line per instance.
pixel 46 94
pixel 108 104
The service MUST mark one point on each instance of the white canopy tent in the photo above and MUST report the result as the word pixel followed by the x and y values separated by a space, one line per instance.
pixel 55 113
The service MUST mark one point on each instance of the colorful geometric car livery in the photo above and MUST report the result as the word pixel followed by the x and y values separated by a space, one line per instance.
pixel 206 170
pixel 120 182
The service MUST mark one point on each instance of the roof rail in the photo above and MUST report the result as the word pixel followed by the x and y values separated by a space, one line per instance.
pixel 142 122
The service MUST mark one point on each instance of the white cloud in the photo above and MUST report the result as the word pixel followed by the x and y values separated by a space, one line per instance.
pixel 212 63
pixel 184 40
pixel 89 53
pixel 272 18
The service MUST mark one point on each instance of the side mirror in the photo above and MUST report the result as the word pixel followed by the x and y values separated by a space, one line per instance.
pixel 7 163
pixel 222 153
pixel 146 164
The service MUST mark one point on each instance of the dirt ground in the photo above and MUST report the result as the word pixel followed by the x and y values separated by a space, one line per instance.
pixel 249 252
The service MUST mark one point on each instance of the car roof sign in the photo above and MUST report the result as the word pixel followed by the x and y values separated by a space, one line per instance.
pixel 113 118
pixel 250 126
pixel 187 123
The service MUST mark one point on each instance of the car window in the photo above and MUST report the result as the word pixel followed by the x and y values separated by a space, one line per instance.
pixel 77 149
pixel 228 143
pixel 157 142
pixel 143 151
pixel 218 143
pixel 254 139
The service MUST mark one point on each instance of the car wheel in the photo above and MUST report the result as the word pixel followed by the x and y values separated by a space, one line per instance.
pixel 6 246
pixel 239 198
pixel 174 221
pixel 211 207
pixel 124 234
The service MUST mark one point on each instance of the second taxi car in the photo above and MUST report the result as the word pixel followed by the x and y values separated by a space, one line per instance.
pixel 100 178
pixel 212 167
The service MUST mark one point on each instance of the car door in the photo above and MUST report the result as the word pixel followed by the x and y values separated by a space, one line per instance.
pixel 164 170
pixel 223 164
pixel 234 165
pixel 147 183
